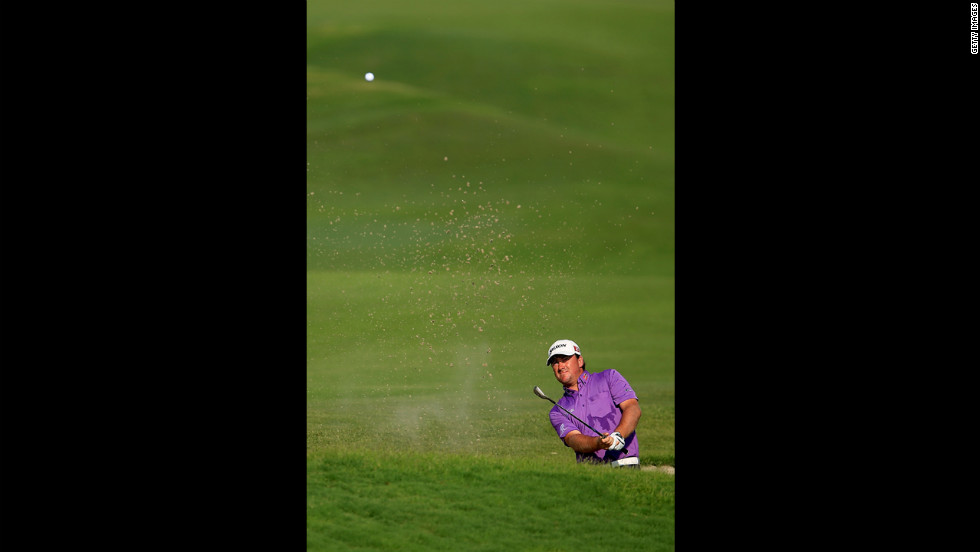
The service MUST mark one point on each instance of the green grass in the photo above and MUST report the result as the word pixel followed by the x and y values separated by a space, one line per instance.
pixel 428 501
pixel 421 358
pixel 507 180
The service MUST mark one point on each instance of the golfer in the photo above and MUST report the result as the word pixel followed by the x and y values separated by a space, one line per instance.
pixel 604 400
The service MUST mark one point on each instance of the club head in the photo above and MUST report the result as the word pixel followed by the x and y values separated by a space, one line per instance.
pixel 540 393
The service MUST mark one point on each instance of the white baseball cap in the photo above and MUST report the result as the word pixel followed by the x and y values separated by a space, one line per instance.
pixel 563 347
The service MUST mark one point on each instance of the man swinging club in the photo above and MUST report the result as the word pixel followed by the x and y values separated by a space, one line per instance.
pixel 604 399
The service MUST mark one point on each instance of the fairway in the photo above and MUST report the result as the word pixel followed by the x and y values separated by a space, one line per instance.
pixel 505 180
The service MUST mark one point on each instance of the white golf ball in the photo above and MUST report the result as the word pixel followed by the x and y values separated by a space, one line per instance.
pixel 369 77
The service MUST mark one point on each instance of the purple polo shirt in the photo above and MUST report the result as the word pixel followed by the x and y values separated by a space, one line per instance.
pixel 595 402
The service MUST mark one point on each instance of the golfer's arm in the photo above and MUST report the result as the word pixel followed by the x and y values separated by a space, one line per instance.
pixel 631 415
pixel 585 444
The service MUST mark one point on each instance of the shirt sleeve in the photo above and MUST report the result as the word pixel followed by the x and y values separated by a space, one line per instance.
pixel 619 388
pixel 561 423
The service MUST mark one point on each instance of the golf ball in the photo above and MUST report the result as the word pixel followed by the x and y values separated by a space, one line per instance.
pixel 369 77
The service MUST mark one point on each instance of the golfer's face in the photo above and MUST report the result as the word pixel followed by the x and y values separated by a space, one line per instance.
pixel 567 368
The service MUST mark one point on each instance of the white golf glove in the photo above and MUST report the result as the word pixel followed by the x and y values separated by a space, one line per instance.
pixel 618 442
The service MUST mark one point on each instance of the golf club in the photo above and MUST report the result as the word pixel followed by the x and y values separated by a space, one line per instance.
pixel 540 393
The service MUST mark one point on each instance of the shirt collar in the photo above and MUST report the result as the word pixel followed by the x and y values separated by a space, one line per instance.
pixel 583 378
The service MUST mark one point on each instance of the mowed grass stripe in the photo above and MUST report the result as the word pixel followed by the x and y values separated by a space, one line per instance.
pixel 423 366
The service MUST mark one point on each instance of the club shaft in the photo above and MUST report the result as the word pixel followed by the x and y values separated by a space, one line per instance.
pixel 599 433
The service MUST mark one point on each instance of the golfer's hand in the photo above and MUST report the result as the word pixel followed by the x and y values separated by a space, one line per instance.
pixel 606 441
pixel 618 442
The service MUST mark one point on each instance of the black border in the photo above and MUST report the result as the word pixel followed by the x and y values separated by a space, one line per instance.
pixel 153 250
